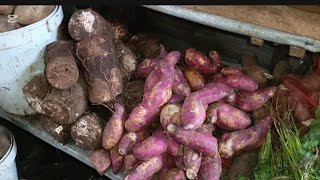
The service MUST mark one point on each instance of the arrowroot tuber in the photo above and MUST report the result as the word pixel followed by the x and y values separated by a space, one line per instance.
pixel 146 169
pixel 86 22
pixel 65 106
pixel 102 73
pixel 211 168
pixel 86 132
pixel 127 61
pixel 155 97
pixel 115 127
pixel 231 118
pixel 60 132
pixel 61 67
pixel 192 162
pixel 153 146
pixel 241 82
pixel 116 160
pixel 199 141
pixel 100 160
pixel 195 80
pixel 193 111
pixel 259 74
pixel 245 139
pixel 249 101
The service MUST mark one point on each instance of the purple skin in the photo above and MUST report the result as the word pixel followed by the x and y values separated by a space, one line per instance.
pixel 215 58
pixel 146 169
pixel 172 174
pixel 176 99
pixel 100 160
pixel 145 113
pixel 250 101
pixel 212 114
pixel 231 71
pixel 231 118
pixel 207 128
pixel 146 67
pixel 246 139
pixel 151 147
pixel 192 162
pixel 174 148
pixel 180 84
pixel 129 140
pixel 199 141
pixel 115 127
pixel 116 160
pixel 129 162
pixel 211 168
pixel 240 82
pixel 178 161
pixel 198 61
pixel 193 111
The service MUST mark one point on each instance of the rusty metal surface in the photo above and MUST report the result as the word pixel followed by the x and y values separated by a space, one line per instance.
pixel 239 27
pixel 35 129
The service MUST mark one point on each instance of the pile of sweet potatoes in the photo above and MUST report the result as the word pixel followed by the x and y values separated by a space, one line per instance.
pixel 166 109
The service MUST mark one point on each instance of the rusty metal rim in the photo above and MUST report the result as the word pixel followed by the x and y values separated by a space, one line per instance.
pixel 239 27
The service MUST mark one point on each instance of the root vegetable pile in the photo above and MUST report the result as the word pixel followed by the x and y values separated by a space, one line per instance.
pixel 165 111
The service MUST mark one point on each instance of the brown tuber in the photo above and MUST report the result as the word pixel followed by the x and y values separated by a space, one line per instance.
pixel 127 61
pixel 102 73
pixel 59 132
pixel 61 67
pixel 86 132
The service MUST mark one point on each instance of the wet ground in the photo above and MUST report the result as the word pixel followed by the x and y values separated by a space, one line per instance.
pixel 37 160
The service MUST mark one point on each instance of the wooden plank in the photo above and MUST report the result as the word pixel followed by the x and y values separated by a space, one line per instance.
pixel 283 18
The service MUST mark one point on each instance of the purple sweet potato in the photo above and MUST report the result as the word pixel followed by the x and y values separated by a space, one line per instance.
pixel 157 96
pixel 100 160
pixel 241 82
pixel 207 128
pixel 192 162
pixel 116 160
pixel 180 84
pixel 129 140
pixel 250 101
pixel 199 141
pixel 174 148
pixel 176 99
pixel 86 22
pixel 231 71
pixel 115 127
pixel 212 114
pixel 172 174
pixel 245 139
pixel 129 162
pixel 216 59
pixel 153 146
pixel 211 168
pixel 146 169
pixel 195 80
pixel 193 111
pixel 231 118
pixel 146 67
pixel 170 113
pixel 200 62
pixel 178 161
